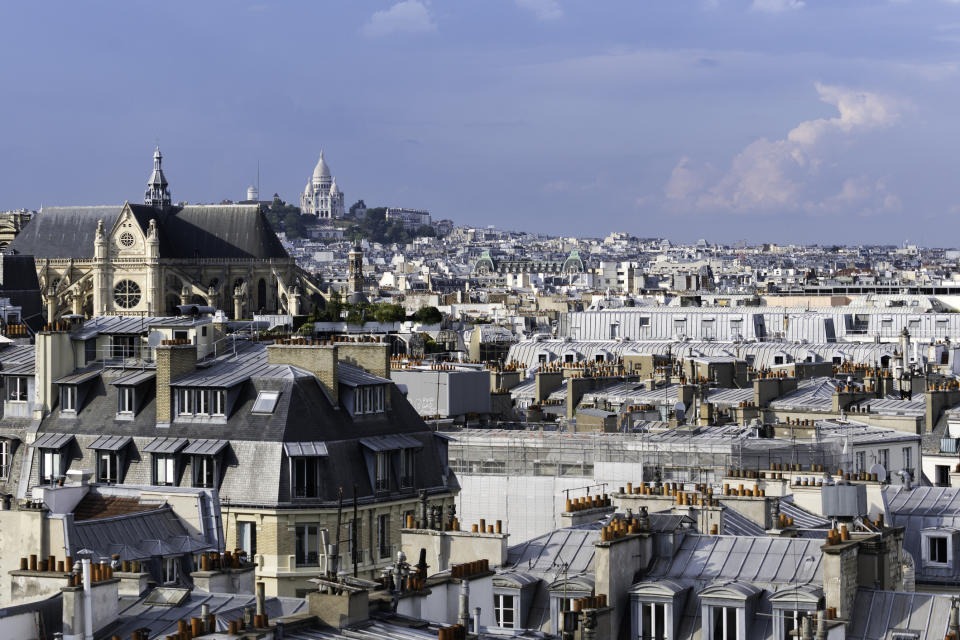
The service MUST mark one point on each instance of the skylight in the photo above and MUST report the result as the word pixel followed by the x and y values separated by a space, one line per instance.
pixel 266 402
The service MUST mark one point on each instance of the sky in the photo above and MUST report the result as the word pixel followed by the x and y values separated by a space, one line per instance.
pixel 729 120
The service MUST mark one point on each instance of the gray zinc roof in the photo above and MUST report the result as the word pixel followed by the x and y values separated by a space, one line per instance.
pixel 926 614
pixel 110 443
pixel 206 447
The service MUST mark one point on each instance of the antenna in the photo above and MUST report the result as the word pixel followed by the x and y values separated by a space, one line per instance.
pixel 258 179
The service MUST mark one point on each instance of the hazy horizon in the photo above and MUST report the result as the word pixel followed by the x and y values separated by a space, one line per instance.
pixel 757 120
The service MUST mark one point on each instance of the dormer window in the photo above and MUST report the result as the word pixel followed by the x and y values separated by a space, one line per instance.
pixel 726 608
pixel 305 467
pixel 110 454
pixel 203 403
pixel 51 448
pixel 937 547
pixel 68 398
pixel 166 460
pixel 126 401
pixel 206 458
pixel 368 399
pixel 16 388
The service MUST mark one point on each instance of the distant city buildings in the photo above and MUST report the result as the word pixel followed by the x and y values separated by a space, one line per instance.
pixel 409 218
pixel 322 197
pixel 145 259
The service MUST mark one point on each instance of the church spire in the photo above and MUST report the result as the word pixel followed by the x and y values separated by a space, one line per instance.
pixel 157 193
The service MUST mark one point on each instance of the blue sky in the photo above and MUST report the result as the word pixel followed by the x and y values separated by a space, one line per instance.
pixel 763 120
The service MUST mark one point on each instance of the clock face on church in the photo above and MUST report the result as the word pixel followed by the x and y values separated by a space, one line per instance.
pixel 126 239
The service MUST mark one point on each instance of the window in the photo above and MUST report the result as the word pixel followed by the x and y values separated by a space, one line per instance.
pixel 406 468
pixel 943 475
pixel 5 458
pixel 90 350
pixel 307 545
pixel 883 457
pixel 724 623
pixel 247 537
pixel 125 396
pixel 164 470
pixel 126 294
pixel 383 535
pixel 50 464
pixel 908 459
pixel 171 570
pixel 123 346
pixel 305 477
pixel 503 610
pixel 266 402
pixel 218 402
pixel 108 465
pixel 368 399
pixel 185 402
pixel 644 321
pixel 790 622
pixel 653 616
pixel 861 461
pixel 17 388
pixel 383 471
pixel 68 397
pixel 937 550
pixel 204 472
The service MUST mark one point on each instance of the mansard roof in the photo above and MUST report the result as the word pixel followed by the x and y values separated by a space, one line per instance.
pixel 185 232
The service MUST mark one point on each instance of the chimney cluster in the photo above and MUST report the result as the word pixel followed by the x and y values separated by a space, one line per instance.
pixel 470 569
pixel 48 564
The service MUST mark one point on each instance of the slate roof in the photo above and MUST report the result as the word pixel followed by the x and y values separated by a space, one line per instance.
pixel 135 536
pixel 255 469
pixel 920 508
pixel 187 232
pixel 162 621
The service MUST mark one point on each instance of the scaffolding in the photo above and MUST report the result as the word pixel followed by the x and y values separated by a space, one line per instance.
pixel 677 455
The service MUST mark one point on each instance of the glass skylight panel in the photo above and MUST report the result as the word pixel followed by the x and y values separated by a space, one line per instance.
pixel 266 402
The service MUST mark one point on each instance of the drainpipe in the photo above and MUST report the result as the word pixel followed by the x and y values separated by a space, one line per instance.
pixel 464 614
pixel 87 601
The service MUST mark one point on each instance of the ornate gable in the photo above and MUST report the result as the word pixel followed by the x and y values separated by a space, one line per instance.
pixel 127 239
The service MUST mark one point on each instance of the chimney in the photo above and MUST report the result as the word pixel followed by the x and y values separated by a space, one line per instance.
pixel 840 575
pixel 320 360
pixel 173 361
pixel 54 359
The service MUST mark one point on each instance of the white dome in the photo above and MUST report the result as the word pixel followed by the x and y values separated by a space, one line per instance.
pixel 321 170
pixel 333 187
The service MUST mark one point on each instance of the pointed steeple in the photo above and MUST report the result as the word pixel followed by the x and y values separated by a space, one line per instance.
pixel 157 193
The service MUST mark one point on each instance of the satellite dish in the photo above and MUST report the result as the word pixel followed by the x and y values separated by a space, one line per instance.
pixel 154 339
pixel 880 471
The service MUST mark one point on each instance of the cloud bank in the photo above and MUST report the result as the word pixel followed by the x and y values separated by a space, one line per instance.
pixel 783 175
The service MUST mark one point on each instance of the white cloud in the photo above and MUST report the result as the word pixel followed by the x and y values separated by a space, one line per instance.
pixel 542 9
pixel 771 176
pixel 776 6
pixel 406 16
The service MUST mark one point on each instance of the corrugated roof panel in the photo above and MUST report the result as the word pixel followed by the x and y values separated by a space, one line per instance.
pixel 355 376
pixel 78 378
pixel 53 441
pixel 206 447
pixel 305 449
pixel 110 443
pixel 391 442
pixel 165 445
pixel 135 378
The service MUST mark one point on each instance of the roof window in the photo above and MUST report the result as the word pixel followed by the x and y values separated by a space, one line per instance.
pixel 266 402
